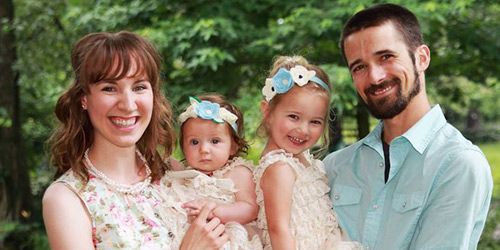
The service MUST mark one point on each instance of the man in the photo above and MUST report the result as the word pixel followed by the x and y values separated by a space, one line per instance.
pixel 414 182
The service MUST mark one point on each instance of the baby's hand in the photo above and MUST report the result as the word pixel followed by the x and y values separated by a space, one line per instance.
pixel 194 207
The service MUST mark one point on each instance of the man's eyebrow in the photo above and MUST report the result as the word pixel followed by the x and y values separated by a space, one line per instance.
pixel 385 51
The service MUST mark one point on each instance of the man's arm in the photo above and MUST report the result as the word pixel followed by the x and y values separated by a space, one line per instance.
pixel 454 215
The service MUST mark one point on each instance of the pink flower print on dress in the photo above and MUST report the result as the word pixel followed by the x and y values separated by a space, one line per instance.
pixel 94 240
pixel 157 182
pixel 92 198
pixel 150 222
pixel 128 221
pixel 140 199
pixel 115 211
pixel 147 237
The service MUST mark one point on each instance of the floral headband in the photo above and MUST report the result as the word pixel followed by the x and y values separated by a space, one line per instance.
pixel 208 111
pixel 284 79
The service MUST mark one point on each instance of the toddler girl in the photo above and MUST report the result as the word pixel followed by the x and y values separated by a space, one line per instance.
pixel 211 141
pixel 292 191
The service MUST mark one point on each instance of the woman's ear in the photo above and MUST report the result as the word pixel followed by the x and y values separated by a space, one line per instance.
pixel 84 102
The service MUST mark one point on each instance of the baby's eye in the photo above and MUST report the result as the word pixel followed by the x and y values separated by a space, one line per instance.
pixel 194 142
pixel 215 141
pixel 295 117
pixel 319 122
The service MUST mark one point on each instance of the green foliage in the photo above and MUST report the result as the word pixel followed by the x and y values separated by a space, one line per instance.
pixel 227 47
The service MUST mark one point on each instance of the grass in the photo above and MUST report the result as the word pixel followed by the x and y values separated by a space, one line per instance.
pixel 492 152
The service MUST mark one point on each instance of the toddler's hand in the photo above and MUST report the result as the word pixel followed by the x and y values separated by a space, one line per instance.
pixel 194 207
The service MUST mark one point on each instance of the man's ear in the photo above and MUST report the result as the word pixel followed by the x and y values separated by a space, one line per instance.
pixel 422 58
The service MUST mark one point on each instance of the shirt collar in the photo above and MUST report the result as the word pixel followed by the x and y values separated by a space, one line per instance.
pixel 419 135
pixel 426 128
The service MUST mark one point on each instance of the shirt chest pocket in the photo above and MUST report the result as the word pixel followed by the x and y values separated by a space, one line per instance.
pixel 343 195
pixel 402 203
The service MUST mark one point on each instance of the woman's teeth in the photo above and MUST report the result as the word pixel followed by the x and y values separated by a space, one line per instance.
pixel 124 122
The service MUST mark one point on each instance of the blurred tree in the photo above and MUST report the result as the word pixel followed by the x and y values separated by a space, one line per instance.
pixel 15 192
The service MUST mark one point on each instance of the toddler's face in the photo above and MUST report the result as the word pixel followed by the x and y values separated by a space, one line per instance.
pixel 298 120
pixel 207 145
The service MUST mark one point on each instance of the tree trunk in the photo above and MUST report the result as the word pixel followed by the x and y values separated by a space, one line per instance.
pixel 15 192
pixel 362 119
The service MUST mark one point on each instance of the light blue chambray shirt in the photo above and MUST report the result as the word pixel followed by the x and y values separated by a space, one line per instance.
pixel 437 195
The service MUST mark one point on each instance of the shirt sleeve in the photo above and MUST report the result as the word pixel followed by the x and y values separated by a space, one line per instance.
pixel 455 213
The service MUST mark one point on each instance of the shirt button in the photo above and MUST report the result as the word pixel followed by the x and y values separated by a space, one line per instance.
pixel 381 164
pixel 404 204
pixel 171 235
pixel 157 215
pixel 367 247
pixel 375 206
pixel 336 197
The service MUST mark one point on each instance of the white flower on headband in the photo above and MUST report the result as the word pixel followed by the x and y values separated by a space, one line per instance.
pixel 268 90
pixel 301 75
pixel 283 81
pixel 208 111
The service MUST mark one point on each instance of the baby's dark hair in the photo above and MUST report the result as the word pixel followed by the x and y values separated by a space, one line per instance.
pixel 237 137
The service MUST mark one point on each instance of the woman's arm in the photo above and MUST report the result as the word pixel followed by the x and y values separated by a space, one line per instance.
pixel 203 233
pixel 66 219
pixel 277 185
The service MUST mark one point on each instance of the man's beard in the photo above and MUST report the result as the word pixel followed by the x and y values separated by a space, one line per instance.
pixel 385 108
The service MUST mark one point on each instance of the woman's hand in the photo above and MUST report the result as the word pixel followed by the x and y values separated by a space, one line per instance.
pixel 204 233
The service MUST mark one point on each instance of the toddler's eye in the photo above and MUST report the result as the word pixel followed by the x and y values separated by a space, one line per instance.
pixel 317 122
pixel 295 117
pixel 215 141
pixel 194 142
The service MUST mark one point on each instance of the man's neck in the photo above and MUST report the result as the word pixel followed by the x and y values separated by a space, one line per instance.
pixel 398 125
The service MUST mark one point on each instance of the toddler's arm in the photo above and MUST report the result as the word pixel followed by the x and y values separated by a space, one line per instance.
pixel 277 185
pixel 245 207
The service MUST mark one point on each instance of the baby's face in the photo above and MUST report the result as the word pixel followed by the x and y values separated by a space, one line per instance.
pixel 207 145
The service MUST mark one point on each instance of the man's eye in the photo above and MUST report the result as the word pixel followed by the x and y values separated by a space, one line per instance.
pixel 358 68
pixel 386 56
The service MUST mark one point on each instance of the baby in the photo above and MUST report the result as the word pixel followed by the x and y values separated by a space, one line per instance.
pixel 211 141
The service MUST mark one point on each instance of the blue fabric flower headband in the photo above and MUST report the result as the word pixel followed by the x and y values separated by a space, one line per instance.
pixel 283 81
pixel 209 111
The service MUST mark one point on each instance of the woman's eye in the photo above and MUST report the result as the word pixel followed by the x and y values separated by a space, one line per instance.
pixel 139 88
pixel 215 141
pixel 194 142
pixel 108 89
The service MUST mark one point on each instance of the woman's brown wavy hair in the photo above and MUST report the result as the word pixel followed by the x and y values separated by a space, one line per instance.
pixel 109 56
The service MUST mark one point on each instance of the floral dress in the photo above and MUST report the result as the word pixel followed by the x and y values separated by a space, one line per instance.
pixel 191 184
pixel 313 223
pixel 147 220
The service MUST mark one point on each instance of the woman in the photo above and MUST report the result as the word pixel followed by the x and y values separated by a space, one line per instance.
pixel 110 190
